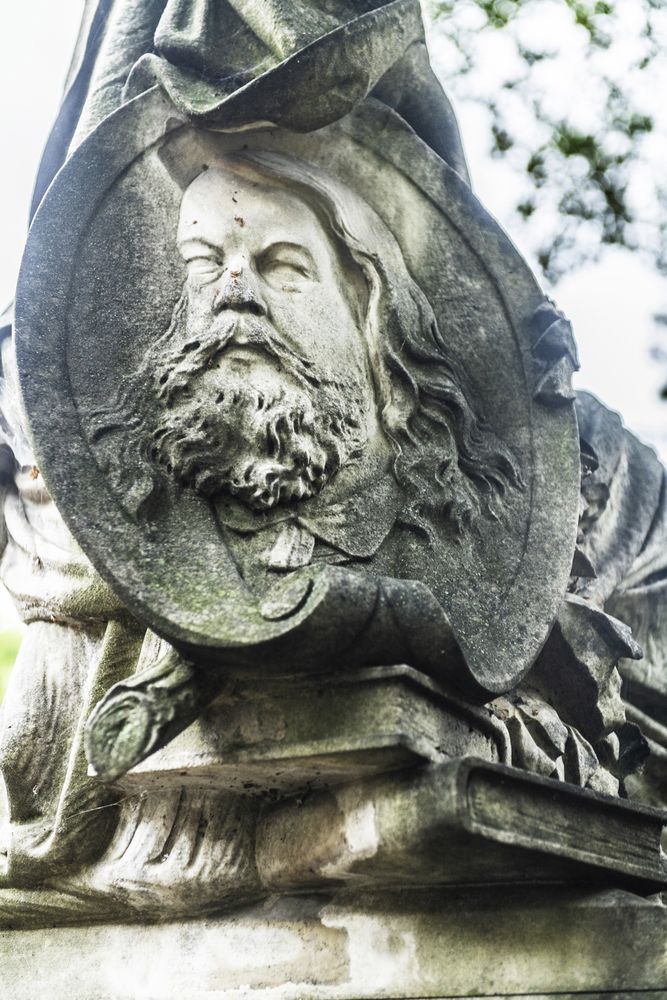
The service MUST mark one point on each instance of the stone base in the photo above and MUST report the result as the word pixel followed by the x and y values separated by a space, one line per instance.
pixel 542 941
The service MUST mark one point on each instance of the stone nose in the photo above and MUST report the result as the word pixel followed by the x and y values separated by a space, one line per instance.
pixel 238 289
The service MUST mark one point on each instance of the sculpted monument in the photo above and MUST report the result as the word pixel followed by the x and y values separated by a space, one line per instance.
pixel 344 610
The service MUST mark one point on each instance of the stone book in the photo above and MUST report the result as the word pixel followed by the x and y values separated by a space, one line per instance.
pixel 466 822
pixel 297 734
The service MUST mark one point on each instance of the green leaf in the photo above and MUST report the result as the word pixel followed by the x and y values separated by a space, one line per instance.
pixel 9 647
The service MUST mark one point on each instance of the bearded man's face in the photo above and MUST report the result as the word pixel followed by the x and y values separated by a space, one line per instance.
pixel 263 384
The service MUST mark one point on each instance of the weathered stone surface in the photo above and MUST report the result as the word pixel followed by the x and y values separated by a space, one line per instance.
pixel 308 417
pixel 460 823
pixel 302 733
pixel 235 44
pixel 196 850
pixel 480 943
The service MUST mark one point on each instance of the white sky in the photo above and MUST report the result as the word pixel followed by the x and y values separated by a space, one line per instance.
pixel 36 42
pixel 610 303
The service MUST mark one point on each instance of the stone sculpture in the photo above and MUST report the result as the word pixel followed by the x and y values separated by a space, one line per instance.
pixel 291 425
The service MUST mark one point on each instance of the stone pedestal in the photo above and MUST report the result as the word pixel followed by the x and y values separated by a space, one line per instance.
pixel 546 941
pixel 468 879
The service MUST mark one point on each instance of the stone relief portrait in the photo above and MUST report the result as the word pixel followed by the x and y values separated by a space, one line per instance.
pixel 303 362
pixel 301 508
pixel 311 414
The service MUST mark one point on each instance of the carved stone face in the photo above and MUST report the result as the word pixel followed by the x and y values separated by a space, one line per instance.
pixel 264 385
pixel 250 247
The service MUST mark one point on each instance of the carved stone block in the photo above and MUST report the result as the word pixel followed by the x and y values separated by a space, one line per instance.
pixel 577 942
pixel 466 822
pixel 297 734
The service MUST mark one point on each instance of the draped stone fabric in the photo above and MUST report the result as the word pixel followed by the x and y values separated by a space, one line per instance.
pixel 623 531
pixel 299 64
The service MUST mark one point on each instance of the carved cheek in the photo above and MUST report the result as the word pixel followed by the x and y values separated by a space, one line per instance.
pixel 199 285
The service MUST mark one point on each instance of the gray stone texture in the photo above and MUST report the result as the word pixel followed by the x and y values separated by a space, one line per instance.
pixel 412 946
pixel 344 674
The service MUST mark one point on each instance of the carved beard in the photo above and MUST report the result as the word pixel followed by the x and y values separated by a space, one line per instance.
pixel 269 431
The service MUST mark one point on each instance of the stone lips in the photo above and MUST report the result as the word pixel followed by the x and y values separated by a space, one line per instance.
pixel 499 591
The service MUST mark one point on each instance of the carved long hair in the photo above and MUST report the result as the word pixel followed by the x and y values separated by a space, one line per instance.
pixel 449 462
pixel 447 459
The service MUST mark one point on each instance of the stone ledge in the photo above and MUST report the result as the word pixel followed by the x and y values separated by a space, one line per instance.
pixel 304 732
pixel 478 944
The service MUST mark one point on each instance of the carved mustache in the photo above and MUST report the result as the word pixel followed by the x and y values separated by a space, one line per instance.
pixel 201 350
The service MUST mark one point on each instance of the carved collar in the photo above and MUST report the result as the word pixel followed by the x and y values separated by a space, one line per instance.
pixel 356 526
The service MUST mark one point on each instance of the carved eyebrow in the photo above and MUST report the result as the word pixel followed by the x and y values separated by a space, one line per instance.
pixel 283 246
pixel 197 245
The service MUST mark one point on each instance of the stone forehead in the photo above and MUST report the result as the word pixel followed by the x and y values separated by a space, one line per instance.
pixel 221 195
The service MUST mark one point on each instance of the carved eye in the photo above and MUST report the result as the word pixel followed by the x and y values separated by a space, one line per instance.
pixel 204 268
pixel 286 267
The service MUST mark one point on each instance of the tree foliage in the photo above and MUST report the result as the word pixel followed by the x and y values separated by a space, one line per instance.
pixel 575 93
pixel 659 352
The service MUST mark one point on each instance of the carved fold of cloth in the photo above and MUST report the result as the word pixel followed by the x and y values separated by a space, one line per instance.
pixel 623 535
pixel 604 666
pixel 301 64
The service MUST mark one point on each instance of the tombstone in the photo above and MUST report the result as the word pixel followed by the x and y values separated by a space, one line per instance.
pixel 344 671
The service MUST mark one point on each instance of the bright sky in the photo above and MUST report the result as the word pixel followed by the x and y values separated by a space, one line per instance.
pixel 610 303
